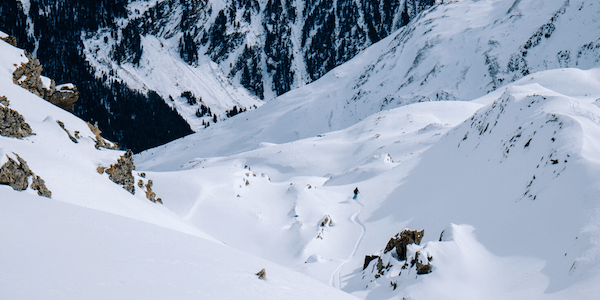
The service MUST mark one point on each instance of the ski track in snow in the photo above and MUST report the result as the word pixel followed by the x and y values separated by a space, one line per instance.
pixel 335 277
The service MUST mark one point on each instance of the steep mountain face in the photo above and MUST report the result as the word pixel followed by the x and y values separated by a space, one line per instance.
pixel 272 46
pixel 208 60
pixel 440 56
pixel 232 53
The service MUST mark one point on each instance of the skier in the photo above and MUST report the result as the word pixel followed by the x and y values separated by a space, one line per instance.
pixel 355 193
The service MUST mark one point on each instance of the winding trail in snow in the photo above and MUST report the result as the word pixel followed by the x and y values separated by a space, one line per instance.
pixel 335 277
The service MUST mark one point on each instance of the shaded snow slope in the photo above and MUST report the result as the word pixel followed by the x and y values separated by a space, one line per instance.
pixel 95 240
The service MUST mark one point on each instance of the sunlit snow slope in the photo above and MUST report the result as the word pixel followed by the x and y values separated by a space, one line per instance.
pixel 516 166
pixel 92 239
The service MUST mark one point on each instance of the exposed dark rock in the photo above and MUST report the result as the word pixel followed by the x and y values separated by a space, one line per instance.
pixel 10 39
pixel 64 98
pixel 401 240
pixel 423 268
pixel 262 274
pixel 15 173
pixel 326 221
pixel 28 75
pixel 62 125
pixel 39 185
pixel 4 101
pixel 151 195
pixel 12 124
pixel 120 173
pixel 100 141
pixel 368 259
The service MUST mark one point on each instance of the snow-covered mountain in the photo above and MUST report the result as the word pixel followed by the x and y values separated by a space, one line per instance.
pixel 230 53
pixel 291 166
pixel 209 60
pixel 456 158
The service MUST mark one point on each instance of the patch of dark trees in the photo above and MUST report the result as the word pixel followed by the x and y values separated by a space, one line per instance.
pixel 135 120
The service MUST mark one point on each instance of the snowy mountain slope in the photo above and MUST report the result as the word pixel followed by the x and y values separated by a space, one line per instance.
pixel 225 51
pixel 392 72
pixel 286 190
pixel 269 47
pixel 535 218
pixel 160 69
pixel 52 249
pixel 527 181
pixel 90 238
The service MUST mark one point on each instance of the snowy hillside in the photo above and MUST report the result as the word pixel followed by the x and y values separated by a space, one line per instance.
pixel 69 232
pixel 440 56
pixel 456 158
pixel 522 171
pixel 515 167
pixel 230 54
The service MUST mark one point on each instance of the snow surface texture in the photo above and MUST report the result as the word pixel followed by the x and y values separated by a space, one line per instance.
pixel 95 240
pixel 519 164
pixel 517 168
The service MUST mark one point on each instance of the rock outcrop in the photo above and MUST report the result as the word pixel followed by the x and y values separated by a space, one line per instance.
pixel 39 185
pixel 73 138
pixel 4 101
pixel 15 173
pixel 120 173
pixel 150 194
pixel 29 76
pixel 262 274
pixel 409 258
pixel 401 240
pixel 10 39
pixel 100 141
pixel 12 123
